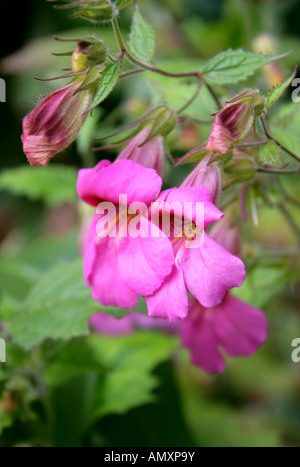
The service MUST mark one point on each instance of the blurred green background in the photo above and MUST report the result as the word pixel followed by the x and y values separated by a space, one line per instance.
pixel 256 402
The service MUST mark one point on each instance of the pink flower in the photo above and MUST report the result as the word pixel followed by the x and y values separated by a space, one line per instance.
pixel 207 174
pixel 150 154
pixel 54 124
pixel 233 124
pixel 119 268
pixel 236 327
pixel 201 265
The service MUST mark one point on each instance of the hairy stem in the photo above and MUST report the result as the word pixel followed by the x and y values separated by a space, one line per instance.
pixel 150 67
pixel 193 97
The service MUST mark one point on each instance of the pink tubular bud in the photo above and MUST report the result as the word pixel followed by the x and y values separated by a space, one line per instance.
pixel 54 124
pixel 149 154
pixel 233 124
pixel 208 175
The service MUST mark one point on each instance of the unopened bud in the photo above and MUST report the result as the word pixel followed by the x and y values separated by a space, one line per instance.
pixel 208 175
pixel 233 124
pixel 87 54
pixel 96 13
pixel 55 123
pixel 165 122
pixel 150 154
pixel 241 168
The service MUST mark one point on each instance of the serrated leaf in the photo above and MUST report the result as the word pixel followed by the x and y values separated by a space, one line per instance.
pixel 142 38
pixel 270 154
pixel 279 90
pixel 232 66
pixel 106 83
pixel 53 185
pixel 58 307
pixel 123 3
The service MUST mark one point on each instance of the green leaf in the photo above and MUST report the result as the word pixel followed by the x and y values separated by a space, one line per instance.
pixel 73 358
pixel 130 359
pixel 270 154
pixel 115 372
pixel 16 278
pixel 232 66
pixel 263 282
pixel 57 307
pixel 278 91
pixel 123 3
pixel 106 83
pixel 142 38
pixel 287 138
pixel 53 185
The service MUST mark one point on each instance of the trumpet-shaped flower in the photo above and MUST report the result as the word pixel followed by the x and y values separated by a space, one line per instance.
pixel 202 266
pixel 233 325
pixel 120 266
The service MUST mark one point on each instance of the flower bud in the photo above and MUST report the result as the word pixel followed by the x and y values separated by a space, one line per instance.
pixel 240 168
pixel 87 53
pixel 208 175
pixel 99 12
pixel 96 11
pixel 55 123
pixel 233 124
pixel 150 154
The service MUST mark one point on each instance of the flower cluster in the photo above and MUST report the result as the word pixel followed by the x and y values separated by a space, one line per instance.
pixel 168 257
pixel 144 242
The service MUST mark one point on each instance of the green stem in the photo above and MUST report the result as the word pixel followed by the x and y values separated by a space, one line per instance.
pixel 143 66
pixel 281 146
pixel 131 72
pixel 148 66
pixel 193 97
pixel 213 95
pixel 278 171
pixel 253 144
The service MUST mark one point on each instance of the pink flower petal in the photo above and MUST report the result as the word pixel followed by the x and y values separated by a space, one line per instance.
pixel 198 337
pixel 87 183
pixel 210 271
pixel 184 202
pixel 106 183
pixel 171 300
pixel 101 272
pixel 145 261
pixel 239 327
